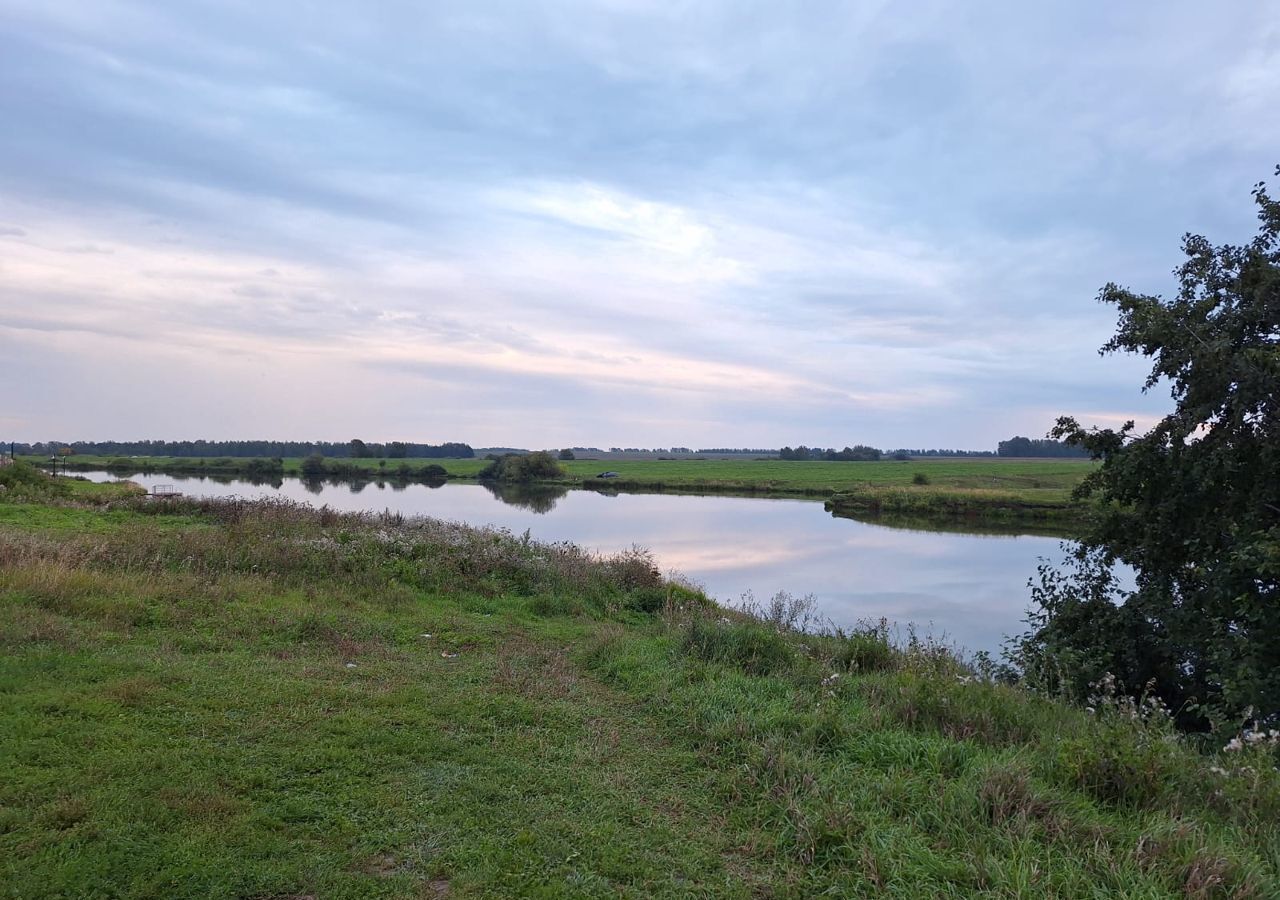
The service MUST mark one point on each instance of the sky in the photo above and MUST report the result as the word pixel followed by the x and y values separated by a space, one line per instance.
pixel 607 223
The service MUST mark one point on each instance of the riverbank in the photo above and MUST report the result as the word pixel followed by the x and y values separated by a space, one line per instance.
pixel 350 706
pixel 999 492
pixel 994 509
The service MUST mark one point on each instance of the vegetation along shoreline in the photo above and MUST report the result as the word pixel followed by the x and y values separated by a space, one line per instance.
pixel 1011 493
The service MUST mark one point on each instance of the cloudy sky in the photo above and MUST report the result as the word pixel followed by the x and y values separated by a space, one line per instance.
pixel 609 223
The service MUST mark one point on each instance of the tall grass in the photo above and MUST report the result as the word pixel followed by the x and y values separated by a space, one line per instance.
pixel 296 543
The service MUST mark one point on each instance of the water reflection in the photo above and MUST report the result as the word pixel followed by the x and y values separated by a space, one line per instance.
pixel 540 499
pixel 972 526
pixel 969 587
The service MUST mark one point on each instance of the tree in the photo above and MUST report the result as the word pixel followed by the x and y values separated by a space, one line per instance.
pixel 314 466
pixel 1024 447
pixel 521 467
pixel 566 454
pixel 1193 505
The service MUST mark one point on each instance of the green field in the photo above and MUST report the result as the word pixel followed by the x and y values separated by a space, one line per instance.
pixel 1032 478
pixel 1055 477
pixel 219 699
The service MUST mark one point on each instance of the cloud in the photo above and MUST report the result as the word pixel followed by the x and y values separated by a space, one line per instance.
pixel 604 221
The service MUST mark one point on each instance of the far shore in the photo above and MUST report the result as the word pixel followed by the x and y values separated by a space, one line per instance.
pixel 999 493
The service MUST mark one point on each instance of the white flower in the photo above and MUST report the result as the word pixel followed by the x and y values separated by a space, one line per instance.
pixel 1234 744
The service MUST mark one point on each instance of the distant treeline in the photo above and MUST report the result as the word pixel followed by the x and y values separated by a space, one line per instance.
pixel 355 449
pixel 1020 446
pixel 358 449
pixel 316 466
pixel 860 453
pixel 904 453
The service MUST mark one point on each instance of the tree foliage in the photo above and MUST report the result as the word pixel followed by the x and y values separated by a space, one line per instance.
pixel 860 453
pixel 394 450
pixel 1027 447
pixel 1193 506
pixel 522 467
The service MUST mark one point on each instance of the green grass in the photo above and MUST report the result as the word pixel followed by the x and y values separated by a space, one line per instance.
pixel 1036 477
pixel 975 508
pixel 237 700
pixel 1054 478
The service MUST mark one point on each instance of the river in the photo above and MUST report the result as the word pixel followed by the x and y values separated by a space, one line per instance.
pixel 967 589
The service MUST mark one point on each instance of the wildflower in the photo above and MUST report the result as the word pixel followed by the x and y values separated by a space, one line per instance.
pixel 1234 744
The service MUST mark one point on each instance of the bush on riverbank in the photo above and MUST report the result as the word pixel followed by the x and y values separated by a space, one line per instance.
pixel 366 705
pixel 522 467
pixel 21 481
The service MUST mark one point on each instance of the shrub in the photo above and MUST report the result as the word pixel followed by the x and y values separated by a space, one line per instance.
pixel 264 467
pixel 919 478
pixel 22 473
pixel 22 481
pixel 313 465
pixel 522 467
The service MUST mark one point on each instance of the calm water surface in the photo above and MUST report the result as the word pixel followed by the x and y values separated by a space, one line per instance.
pixel 969 588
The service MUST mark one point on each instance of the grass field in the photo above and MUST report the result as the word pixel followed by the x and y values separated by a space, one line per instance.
pixel 1055 477
pixel 218 699
pixel 1032 478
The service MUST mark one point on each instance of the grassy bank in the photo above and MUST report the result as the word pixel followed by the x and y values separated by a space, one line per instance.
pixel 264 700
pixel 1028 510
pixel 1033 493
